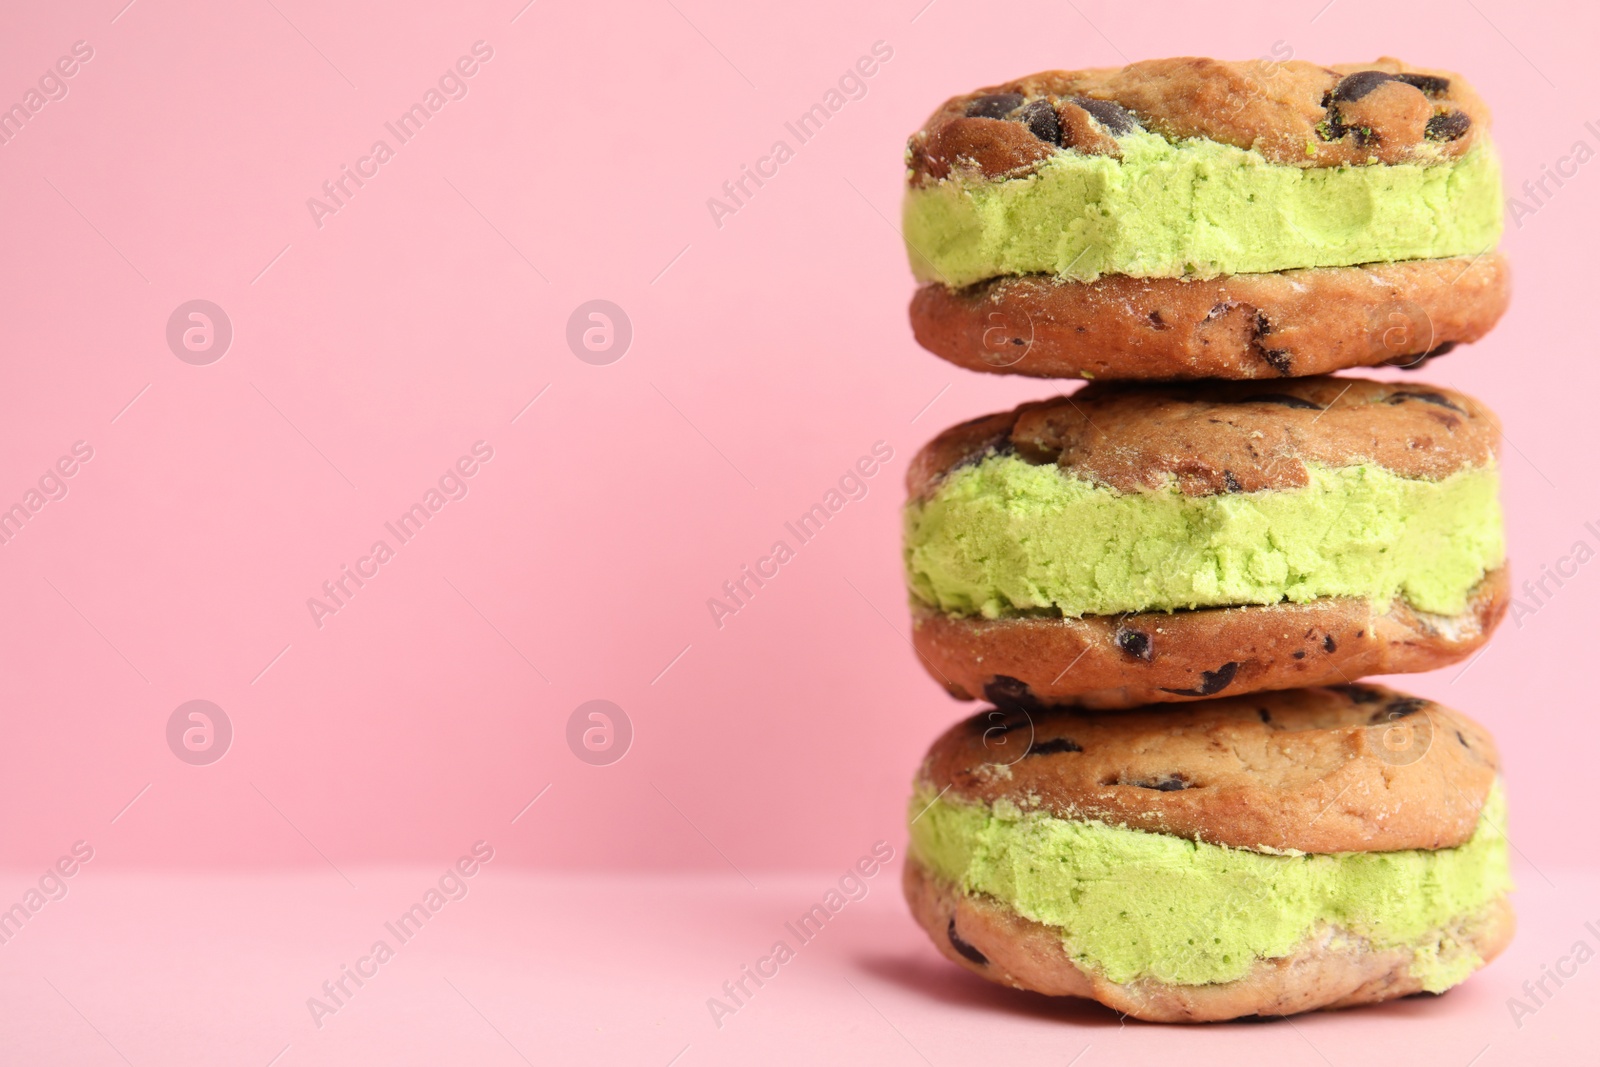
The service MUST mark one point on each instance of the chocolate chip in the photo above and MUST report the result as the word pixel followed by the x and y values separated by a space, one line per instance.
pixel 1301 654
pixel 1054 745
pixel 1430 84
pixel 1270 398
pixel 1413 362
pixel 1040 118
pixel 1329 644
pixel 1358 694
pixel 1266 716
pixel 1136 643
pixel 1354 86
pixel 1157 321
pixel 1399 708
pixel 1010 694
pixel 1447 127
pixel 1110 114
pixel 1167 783
pixel 1285 399
pixel 1258 1019
pixel 994 106
pixel 1210 682
pixel 1230 483
pixel 966 950
pixel 1462 738
pixel 1276 358
pixel 1427 398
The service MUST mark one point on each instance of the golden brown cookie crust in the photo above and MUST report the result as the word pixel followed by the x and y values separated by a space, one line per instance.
pixel 1355 768
pixel 1290 323
pixel 1292 112
pixel 1331 969
pixel 1213 437
pixel 1108 662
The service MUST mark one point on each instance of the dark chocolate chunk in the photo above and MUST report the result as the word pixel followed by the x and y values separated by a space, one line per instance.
pixel 1210 682
pixel 1136 643
pixel 1430 84
pixel 1258 1019
pixel 1300 654
pixel 1266 716
pixel 1157 321
pixel 1427 398
pixel 1167 783
pixel 1329 644
pixel 1358 694
pixel 1447 127
pixel 1286 400
pixel 1355 86
pixel 1040 118
pixel 966 950
pixel 1230 483
pixel 1010 694
pixel 1054 745
pixel 1271 398
pixel 1277 359
pixel 1413 362
pixel 1110 114
pixel 1399 708
pixel 994 106
pixel 1462 738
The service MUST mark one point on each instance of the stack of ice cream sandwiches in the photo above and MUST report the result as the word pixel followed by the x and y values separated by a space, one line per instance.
pixel 1182 800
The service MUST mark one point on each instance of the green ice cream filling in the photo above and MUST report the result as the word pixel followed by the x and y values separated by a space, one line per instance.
pixel 1131 904
pixel 1005 537
pixel 1198 208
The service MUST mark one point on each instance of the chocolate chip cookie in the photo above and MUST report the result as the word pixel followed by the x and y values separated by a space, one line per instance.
pixel 1247 856
pixel 1134 543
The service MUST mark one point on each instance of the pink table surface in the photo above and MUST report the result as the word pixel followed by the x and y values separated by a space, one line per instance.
pixel 218 969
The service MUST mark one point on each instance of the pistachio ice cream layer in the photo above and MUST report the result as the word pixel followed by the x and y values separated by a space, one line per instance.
pixel 1132 905
pixel 1197 208
pixel 1004 537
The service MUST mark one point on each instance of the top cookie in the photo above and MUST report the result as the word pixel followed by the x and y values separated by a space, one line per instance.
pixel 1225 437
pixel 1292 112
pixel 1355 768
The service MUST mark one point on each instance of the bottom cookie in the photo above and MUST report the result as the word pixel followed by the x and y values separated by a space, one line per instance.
pixel 1292 323
pixel 1160 657
pixel 1260 855
pixel 1330 969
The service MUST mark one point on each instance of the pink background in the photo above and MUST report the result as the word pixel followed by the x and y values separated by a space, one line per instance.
pixel 768 353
